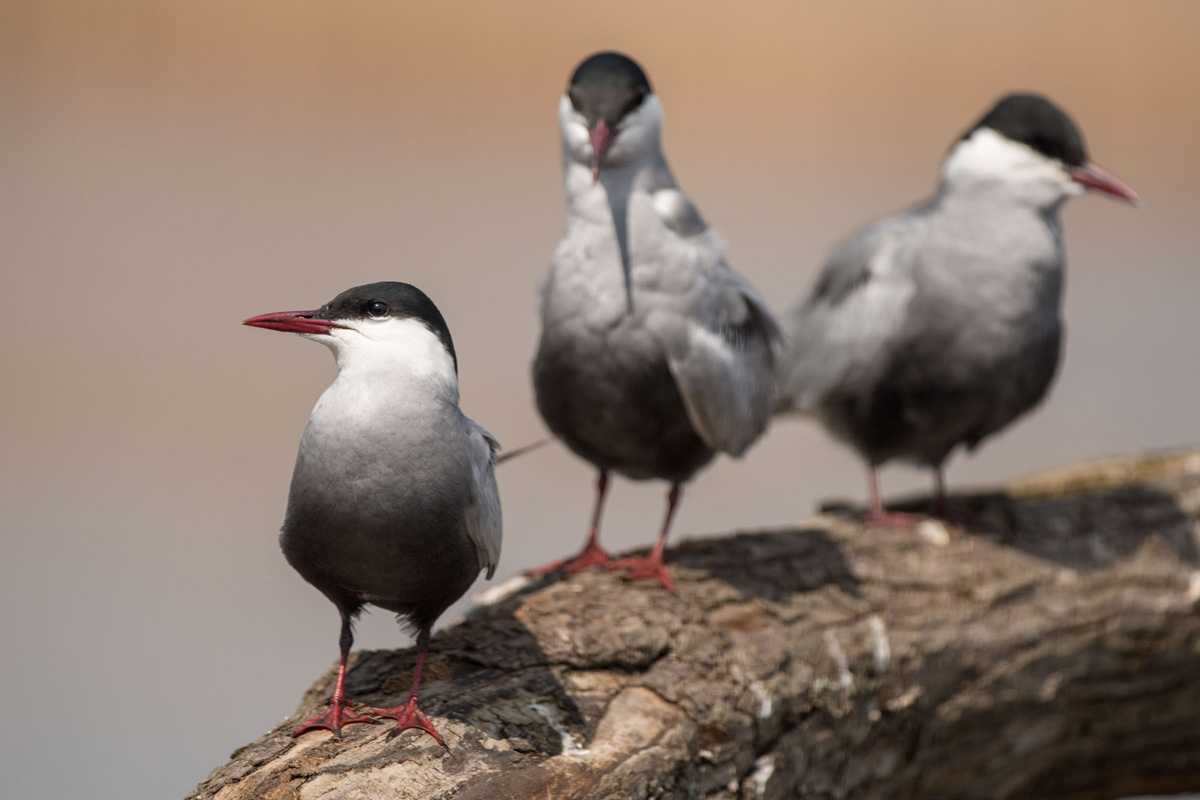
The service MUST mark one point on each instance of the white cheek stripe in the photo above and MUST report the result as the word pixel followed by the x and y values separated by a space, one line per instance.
pixel 987 157
pixel 403 346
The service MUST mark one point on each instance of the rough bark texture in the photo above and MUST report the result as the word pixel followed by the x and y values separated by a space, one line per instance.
pixel 1054 652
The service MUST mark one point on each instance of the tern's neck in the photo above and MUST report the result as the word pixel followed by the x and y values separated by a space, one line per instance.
pixel 998 196
pixel 422 371
pixel 615 182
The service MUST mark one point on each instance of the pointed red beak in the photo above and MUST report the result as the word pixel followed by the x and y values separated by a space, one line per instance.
pixel 602 139
pixel 293 322
pixel 1093 177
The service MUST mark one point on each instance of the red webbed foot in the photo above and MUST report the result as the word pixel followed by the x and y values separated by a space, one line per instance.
pixel 646 567
pixel 332 718
pixel 592 556
pixel 409 716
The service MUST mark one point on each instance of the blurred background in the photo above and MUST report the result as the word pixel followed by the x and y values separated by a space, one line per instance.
pixel 168 169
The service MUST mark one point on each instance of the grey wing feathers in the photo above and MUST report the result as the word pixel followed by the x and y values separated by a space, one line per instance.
pixel 721 349
pixel 847 270
pixel 483 514
pixel 845 328
pixel 723 364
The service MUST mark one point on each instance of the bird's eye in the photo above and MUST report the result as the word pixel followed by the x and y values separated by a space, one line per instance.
pixel 377 308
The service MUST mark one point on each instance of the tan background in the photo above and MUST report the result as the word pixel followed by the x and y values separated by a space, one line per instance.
pixel 170 168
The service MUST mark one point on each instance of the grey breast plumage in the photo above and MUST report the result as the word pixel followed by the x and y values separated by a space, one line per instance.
pixel 403 516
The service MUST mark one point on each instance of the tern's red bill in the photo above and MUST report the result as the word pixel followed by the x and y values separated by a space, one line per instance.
pixel 1093 177
pixel 293 322
pixel 602 139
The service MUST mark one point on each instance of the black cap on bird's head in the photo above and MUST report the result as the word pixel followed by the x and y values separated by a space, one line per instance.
pixel 607 86
pixel 604 89
pixel 373 301
pixel 1036 122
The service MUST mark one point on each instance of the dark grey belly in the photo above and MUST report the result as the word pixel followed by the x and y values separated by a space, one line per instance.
pixel 927 403
pixel 617 407
pixel 414 563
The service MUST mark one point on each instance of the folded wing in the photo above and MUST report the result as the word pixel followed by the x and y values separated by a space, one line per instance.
pixel 845 331
pixel 483 513
pixel 722 357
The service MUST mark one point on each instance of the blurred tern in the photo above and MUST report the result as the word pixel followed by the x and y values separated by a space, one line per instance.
pixel 654 354
pixel 393 499
pixel 941 326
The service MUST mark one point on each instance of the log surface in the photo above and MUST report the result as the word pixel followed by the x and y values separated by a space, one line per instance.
pixel 1054 652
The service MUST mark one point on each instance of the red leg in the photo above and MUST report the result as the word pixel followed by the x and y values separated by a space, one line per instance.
pixel 593 555
pixel 652 566
pixel 410 715
pixel 338 712
pixel 877 514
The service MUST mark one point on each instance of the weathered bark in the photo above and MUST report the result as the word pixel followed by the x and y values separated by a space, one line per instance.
pixel 1055 654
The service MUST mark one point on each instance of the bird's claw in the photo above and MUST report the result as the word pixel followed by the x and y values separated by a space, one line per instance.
pixel 592 556
pixel 332 718
pixel 409 716
pixel 641 568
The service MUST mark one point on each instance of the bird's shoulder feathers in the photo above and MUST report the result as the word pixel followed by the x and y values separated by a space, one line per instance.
pixel 845 329
pixel 677 212
pixel 885 250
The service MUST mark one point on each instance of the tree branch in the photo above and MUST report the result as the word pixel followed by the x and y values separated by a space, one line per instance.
pixel 1056 654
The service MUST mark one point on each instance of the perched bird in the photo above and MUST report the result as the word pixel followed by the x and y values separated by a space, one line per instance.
pixel 393 499
pixel 654 355
pixel 942 325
